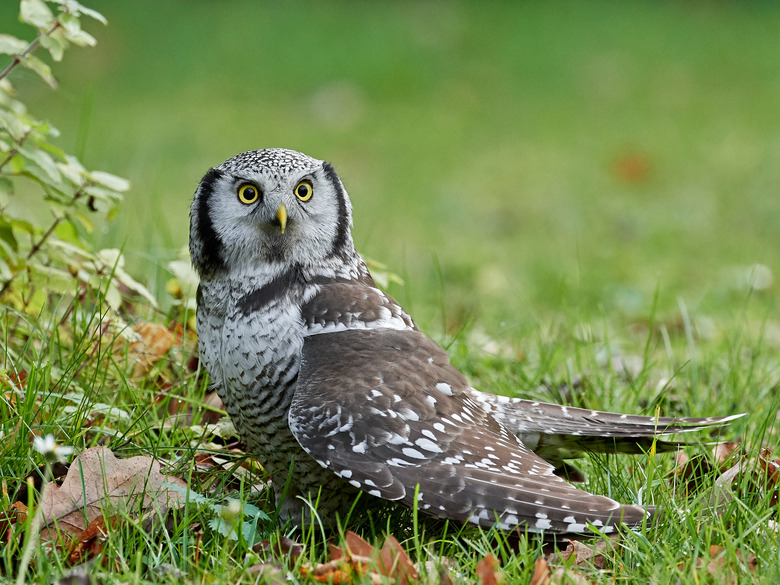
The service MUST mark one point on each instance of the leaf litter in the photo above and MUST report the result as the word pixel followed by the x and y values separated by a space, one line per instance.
pixel 98 492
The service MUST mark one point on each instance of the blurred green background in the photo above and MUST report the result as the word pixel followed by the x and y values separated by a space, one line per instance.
pixel 509 159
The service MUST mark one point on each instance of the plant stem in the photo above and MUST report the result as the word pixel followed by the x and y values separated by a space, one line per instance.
pixel 33 534
pixel 37 246
pixel 28 51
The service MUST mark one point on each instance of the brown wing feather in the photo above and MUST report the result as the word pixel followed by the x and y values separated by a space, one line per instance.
pixel 386 411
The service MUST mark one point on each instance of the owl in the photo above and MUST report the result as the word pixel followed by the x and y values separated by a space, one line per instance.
pixel 336 391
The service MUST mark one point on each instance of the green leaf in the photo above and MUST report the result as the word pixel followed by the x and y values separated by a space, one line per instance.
pixel 66 232
pixel 73 170
pixel 44 161
pixel 36 13
pixel 42 69
pixel 7 235
pixel 6 187
pixel 12 123
pixel 23 226
pixel 111 181
pixel 74 7
pixel 81 39
pixel 5 271
pixel 71 30
pixel 114 261
pixel 16 164
pixel 53 150
pixel 85 222
pixel 53 190
pixel 51 278
pixel 11 45
pixel 103 195
pixel 55 43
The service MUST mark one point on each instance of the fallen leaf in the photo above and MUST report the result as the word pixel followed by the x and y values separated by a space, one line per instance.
pixel 212 408
pixel 269 573
pixel 360 560
pixel 14 380
pixel 487 571
pixel 14 515
pixel 541 575
pixel 394 562
pixel 719 565
pixel 444 577
pixel 335 572
pixel 155 341
pixel 98 483
pixel 749 477
pixel 285 547
pixel 335 553
pixel 584 553
pixel 771 466
pixel 722 452
pixel 691 473
pixel 357 547
pixel 89 544
pixel 58 472
pixel 561 576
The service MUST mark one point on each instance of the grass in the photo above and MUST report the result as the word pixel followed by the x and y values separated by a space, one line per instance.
pixel 576 199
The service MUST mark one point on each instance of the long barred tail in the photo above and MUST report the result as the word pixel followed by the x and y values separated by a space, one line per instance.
pixel 556 432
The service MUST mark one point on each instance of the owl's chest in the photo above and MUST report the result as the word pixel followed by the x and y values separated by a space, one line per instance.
pixel 252 354
pixel 261 350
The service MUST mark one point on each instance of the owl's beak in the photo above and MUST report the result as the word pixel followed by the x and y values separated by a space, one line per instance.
pixel 281 215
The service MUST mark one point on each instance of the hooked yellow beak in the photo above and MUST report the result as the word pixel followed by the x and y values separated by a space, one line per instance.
pixel 281 215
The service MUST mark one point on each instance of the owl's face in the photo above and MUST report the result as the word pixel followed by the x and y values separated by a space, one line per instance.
pixel 268 206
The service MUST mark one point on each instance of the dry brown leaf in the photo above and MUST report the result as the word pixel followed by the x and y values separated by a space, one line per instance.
pixel 212 404
pixel 337 572
pixel 488 573
pixel 444 577
pixel 284 547
pixel 749 477
pixel 561 576
pixel 722 452
pixel 394 562
pixel 98 483
pixel 584 553
pixel 14 515
pixel 358 548
pixel 690 473
pixel 155 342
pixel 359 560
pixel 90 543
pixel 270 573
pixel 334 552
pixel 541 574
pixel 719 567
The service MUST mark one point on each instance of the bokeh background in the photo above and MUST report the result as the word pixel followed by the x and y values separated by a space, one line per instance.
pixel 509 160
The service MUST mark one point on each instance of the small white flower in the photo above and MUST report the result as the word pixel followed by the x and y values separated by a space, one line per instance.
pixel 49 448
pixel 230 512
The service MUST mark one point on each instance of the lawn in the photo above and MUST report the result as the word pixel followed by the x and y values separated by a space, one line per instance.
pixel 580 202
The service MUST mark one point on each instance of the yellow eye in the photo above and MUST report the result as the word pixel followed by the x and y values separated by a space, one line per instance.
pixel 248 194
pixel 304 190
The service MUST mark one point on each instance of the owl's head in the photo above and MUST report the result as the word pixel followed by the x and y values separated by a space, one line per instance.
pixel 269 206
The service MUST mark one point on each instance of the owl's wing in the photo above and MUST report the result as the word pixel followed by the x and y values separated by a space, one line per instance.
pixel 385 410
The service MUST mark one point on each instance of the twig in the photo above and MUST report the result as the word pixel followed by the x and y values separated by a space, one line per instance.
pixel 28 51
pixel 37 246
